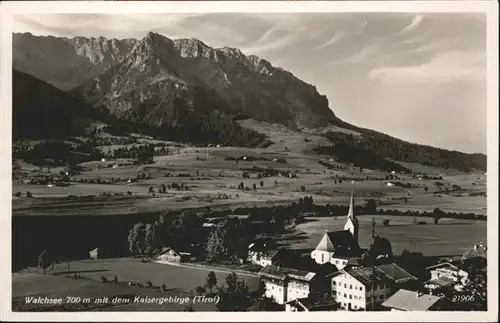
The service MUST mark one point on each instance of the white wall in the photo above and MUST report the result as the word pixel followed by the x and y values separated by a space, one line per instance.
pixel 321 257
pixel 276 292
pixel 349 291
pixel 297 289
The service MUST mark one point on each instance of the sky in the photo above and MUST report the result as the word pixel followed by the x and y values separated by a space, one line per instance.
pixel 420 77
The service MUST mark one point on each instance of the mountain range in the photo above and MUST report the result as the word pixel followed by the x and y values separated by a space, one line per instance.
pixel 189 91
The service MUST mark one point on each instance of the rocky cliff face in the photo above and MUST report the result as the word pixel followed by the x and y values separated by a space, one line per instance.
pixel 157 80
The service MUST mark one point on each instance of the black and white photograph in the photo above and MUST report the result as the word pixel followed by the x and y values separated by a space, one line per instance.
pixel 305 157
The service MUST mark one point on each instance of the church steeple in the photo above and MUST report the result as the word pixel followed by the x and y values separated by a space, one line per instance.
pixel 350 213
pixel 352 222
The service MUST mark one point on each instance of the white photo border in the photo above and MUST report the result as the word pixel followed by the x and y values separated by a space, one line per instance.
pixel 9 9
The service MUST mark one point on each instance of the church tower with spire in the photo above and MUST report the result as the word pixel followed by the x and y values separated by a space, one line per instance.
pixel 351 223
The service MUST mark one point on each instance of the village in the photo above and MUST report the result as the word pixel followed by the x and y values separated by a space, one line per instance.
pixel 337 275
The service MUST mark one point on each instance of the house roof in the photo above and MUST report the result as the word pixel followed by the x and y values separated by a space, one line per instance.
pixel 335 240
pixel 441 282
pixel 410 301
pixel 282 273
pixel 396 273
pixel 367 275
pixel 312 304
pixel 443 265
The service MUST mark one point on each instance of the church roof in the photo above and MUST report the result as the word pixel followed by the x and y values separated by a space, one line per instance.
pixel 334 240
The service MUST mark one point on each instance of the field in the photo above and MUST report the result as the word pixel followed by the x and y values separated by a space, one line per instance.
pixel 112 195
pixel 180 281
pixel 209 178
pixel 449 238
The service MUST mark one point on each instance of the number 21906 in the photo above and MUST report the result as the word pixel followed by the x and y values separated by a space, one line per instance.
pixel 463 298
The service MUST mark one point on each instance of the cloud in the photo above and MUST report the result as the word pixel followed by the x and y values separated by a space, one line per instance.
pixel 336 37
pixel 415 22
pixel 446 67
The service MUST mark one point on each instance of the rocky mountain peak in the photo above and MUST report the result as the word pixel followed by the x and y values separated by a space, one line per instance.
pixel 192 47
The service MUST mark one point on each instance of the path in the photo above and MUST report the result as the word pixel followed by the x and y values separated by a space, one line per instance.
pixel 208 268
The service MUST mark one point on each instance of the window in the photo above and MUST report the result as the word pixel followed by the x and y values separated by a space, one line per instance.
pixel 272 287
pixel 334 282
pixel 350 296
pixel 334 293
pixel 336 261
pixel 355 307
pixel 350 286
pixel 345 295
pixel 360 287
pixel 345 285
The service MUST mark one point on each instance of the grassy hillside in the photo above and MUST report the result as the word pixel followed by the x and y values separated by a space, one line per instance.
pixel 387 147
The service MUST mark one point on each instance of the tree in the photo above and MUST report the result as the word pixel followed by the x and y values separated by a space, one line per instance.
pixel 261 184
pixel 211 281
pixel 151 190
pixel 28 194
pixel 386 222
pixel 381 247
pixel 254 186
pixel 233 296
pixel 413 262
pixel 136 238
pixel 370 207
pixel 149 238
pixel 437 214
pixel 303 188
pixel 426 189
pixel 163 188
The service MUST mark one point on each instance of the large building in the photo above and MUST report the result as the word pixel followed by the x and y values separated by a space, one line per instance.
pixel 446 276
pixel 337 247
pixel 361 288
pixel 286 284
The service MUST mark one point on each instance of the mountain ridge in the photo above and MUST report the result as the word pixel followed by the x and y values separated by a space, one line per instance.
pixel 157 81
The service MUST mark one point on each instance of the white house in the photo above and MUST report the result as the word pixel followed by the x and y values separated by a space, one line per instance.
pixel 263 258
pixel 286 284
pixel 360 288
pixel 337 247
pixel 404 300
pixel 169 255
pixel 446 275
pixel 94 253
pixel 355 288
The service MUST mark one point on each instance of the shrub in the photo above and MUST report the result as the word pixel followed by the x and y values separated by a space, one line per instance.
pixel 386 222
pixel 199 290
pixel 104 279
pixel 148 284
pixel 164 287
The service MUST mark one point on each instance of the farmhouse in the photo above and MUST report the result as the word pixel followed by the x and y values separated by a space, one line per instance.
pixel 169 255
pixel 405 300
pixel 446 275
pixel 358 288
pixel 259 256
pixel 286 284
pixel 337 247
pixel 94 253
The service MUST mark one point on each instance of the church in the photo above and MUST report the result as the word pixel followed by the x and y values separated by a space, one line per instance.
pixel 339 247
